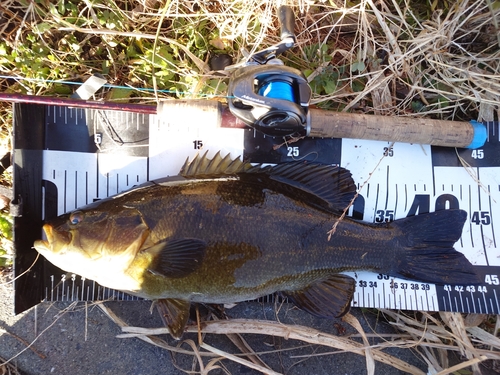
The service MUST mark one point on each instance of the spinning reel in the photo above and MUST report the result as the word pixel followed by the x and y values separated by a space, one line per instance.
pixel 267 95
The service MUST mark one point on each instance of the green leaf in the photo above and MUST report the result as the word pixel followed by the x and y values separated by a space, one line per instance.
pixel 105 67
pixel 61 7
pixel 53 10
pixel 307 72
pixel 330 86
pixel 357 86
pixel 5 227
pixel 417 106
pixel 43 27
pixel 358 66
pixel 118 93
pixel 62 89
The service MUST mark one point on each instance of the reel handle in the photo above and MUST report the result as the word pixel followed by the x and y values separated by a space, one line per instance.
pixel 287 22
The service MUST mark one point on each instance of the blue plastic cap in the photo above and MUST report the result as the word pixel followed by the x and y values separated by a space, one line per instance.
pixel 480 134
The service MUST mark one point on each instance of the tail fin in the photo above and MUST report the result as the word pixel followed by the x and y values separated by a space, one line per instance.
pixel 429 255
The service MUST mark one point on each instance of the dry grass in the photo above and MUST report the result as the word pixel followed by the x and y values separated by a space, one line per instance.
pixel 443 66
pixel 391 58
pixel 432 336
pixel 8 369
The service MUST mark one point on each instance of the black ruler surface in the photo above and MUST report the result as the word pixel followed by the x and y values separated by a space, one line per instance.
pixel 68 157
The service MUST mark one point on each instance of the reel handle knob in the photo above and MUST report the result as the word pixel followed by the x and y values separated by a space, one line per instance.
pixel 287 22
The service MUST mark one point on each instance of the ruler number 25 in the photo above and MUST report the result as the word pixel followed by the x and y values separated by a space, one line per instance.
pixel 292 151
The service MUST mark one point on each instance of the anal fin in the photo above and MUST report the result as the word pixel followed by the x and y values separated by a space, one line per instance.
pixel 175 314
pixel 327 298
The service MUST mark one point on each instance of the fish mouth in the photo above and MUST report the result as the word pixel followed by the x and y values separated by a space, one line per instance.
pixel 45 245
pixel 41 245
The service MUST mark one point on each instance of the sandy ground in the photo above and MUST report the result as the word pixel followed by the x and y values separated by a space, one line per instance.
pixel 82 340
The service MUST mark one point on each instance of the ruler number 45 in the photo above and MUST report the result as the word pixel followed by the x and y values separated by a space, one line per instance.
pixel 481 217
pixel 477 154
pixel 491 279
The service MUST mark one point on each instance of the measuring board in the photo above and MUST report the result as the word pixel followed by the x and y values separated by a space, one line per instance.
pixel 66 157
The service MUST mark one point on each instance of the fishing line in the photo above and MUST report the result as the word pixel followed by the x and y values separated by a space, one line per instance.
pixel 29 268
pixel 332 231
pixel 37 337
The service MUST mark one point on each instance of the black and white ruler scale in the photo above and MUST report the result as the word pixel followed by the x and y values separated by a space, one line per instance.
pixel 67 157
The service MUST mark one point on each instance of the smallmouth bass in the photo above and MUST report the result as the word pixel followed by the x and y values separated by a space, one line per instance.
pixel 224 231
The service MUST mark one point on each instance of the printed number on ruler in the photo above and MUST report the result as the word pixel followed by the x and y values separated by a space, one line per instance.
pixel 386 292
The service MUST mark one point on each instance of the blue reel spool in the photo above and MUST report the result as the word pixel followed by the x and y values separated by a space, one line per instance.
pixel 277 89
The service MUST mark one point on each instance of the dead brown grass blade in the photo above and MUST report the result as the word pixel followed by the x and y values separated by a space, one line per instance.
pixel 246 349
pixel 8 368
pixel 370 362
pixel 309 335
pixel 250 364
pixel 145 334
pixel 471 362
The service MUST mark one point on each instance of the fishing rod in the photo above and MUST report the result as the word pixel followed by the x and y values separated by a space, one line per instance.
pixel 272 98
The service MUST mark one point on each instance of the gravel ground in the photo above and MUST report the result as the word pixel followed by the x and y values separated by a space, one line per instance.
pixel 82 340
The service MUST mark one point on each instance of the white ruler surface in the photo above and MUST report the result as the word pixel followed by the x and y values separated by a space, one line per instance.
pixel 396 180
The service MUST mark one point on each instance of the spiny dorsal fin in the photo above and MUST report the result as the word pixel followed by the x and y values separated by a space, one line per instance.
pixel 201 165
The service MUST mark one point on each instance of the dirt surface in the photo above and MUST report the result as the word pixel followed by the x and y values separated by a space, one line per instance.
pixel 81 339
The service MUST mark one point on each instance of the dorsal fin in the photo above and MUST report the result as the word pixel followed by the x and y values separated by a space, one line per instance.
pixel 322 186
pixel 327 187
pixel 202 166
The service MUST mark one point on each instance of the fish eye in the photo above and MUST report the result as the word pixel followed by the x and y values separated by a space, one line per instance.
pixel 76 217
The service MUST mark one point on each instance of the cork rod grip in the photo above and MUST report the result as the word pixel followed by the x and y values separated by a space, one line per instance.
pixel 397 129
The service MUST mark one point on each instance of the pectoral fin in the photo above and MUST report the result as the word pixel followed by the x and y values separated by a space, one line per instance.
pixel 176 258
pixel 327 298
pixel 175 314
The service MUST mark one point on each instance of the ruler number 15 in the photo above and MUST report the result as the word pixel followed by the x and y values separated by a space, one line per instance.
pixel 198 144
